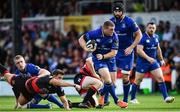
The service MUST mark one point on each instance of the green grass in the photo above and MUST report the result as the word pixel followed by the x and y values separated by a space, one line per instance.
pixel 149 103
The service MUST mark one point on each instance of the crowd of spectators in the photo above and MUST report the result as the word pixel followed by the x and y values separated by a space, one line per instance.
pixel 48 48
pixel 36 8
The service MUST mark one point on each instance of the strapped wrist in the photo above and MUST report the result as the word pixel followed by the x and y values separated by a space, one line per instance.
pixel 102 56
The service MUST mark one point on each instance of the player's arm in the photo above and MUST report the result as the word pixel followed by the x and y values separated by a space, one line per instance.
pixel 90 65
pixel 62 83
pixel 43 72
pixel 138 36
pixel 160 56
pixel 82 42
pixel 111 54
pixel 141 52
pixel 65 102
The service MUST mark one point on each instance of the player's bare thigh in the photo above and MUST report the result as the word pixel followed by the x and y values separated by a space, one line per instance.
pixel 22 100
pixel 90 81
pixel 105 74
pixel 158 75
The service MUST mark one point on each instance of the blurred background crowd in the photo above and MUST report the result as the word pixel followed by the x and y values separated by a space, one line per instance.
pixel 43 45
pixel 36 8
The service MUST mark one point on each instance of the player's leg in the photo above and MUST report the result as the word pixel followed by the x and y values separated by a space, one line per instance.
pixel 138 79
pixel 125 64
pixel 51 98
pixel 113 78
pixel 92 84
pixel 158 75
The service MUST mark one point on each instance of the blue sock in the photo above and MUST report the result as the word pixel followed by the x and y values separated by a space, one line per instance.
pixel 106 97
pixel 36 99
pixel 133 91
pixel 126 87
pixel 53 99
pixel 111 90
pixel 163 89
pixel 31 105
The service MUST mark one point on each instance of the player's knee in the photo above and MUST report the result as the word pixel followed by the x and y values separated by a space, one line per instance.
pixel 160 79
pixel 138 81
pixel 100 84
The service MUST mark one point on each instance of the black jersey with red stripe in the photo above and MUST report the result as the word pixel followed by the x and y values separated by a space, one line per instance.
pixel 41 85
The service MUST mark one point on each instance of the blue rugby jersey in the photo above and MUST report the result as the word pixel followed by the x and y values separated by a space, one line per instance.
pixel 104 43
pixel 30 70
pixel 150 44
pixel 125 29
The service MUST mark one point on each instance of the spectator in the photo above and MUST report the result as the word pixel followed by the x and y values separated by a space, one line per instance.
pixel 167 35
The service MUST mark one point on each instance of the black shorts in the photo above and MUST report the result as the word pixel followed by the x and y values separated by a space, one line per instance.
pixel 19 84
pixel 78 78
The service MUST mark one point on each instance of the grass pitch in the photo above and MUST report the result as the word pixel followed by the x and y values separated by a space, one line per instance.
pixel 148 103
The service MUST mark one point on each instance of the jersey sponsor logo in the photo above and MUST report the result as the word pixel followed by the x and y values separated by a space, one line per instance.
pixel 121 34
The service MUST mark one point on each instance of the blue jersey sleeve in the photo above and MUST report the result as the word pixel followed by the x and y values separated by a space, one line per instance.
pixel 133 25
pixel 115 44
pixel 90 35
pixel 33 69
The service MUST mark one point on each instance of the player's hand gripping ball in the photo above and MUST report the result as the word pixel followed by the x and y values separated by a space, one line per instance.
pixel 91 45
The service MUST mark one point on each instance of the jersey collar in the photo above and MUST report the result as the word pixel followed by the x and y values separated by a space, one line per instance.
pixel 149 35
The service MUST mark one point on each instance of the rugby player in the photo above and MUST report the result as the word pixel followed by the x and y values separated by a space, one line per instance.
pixel 149 52
pixel 30 86
pixel 104 56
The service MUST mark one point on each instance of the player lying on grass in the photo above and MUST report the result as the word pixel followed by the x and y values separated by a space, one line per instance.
pixel 28 69
pixel 149 52
pixel 90 83
pixel 29 87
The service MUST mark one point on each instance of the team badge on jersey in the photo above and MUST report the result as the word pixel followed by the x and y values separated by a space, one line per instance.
pixel 123 25
pixel 98 40
pixel 147 41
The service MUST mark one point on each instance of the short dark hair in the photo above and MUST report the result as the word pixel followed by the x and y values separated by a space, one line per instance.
pixel 108 23
pixel 150 23
pixel 18 57
pixel 57 72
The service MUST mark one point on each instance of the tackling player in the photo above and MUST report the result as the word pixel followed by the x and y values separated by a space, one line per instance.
pixel 90 83
pixel 27 70
pixel 28 87
pixel 148 50
pixel 104 56
pixel 129 36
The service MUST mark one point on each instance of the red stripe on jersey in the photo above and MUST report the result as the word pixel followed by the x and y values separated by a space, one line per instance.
pixel 35 87
pixel 27 82
pixel 86 71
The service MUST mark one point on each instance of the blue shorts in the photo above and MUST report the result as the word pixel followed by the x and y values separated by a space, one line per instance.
pixel 110 64
pixel 125 62
pixel 146 67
